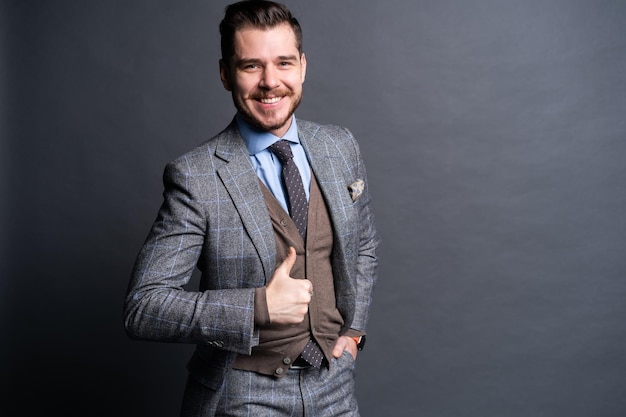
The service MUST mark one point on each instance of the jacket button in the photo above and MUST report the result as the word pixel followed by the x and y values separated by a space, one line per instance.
pixel 287 361
pixel 283 222
pixel 278 371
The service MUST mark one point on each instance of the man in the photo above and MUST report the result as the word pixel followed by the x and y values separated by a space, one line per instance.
pixel 283 300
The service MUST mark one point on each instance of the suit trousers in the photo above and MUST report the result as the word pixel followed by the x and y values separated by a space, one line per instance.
pixel 310 392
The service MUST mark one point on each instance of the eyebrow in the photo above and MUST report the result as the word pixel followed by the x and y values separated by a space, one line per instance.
pixel 287 58
pixel 246 61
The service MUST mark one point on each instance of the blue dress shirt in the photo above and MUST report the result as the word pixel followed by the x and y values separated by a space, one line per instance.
pixel 266 164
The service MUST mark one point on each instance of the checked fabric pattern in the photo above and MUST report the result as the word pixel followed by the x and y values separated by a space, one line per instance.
pixel 298 209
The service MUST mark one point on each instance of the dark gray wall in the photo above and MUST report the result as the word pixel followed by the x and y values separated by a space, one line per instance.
pixel 495 139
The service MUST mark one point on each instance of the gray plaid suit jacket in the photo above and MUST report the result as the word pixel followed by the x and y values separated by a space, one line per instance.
pixel 214 217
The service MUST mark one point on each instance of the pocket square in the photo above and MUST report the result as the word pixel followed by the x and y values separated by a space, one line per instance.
pixel 356 189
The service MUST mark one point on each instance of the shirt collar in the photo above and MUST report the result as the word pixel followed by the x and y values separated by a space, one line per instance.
pixel 257 140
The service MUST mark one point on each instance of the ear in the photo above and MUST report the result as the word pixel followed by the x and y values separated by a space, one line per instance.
pixel 225 75
pixel 303 66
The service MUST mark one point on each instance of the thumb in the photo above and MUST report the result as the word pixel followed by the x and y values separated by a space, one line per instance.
pixel 289 261
pixel 283 270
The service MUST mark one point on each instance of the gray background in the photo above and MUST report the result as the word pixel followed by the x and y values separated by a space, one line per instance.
pixel 495 139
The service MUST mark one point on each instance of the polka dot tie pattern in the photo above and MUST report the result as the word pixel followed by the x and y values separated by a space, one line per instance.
pixel 298 205
pixel 313 354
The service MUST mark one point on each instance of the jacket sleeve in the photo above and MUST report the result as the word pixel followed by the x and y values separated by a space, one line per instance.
pixel 368 241
pixel 158 306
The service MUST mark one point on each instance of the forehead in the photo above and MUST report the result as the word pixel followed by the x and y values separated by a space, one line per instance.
pixel 265 43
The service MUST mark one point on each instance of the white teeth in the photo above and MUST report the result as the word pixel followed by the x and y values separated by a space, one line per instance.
pixel 270 100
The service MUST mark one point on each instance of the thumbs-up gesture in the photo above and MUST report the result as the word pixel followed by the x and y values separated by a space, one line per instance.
pixel 288 298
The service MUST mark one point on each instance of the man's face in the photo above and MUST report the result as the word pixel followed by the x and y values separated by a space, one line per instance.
pixel 265 77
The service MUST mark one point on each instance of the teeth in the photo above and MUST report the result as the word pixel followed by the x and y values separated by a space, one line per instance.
pixel 270 100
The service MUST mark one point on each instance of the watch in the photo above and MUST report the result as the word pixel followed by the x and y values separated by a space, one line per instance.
pixel 360 342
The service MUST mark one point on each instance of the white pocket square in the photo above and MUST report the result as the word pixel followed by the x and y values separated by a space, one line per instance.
pixel 356 189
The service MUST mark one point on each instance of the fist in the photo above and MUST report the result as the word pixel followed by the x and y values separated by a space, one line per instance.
pixel 288 298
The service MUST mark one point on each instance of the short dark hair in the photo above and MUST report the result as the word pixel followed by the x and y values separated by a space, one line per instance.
pixel 260 14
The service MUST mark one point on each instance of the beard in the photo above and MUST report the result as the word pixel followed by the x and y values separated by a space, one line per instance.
pixel 267 126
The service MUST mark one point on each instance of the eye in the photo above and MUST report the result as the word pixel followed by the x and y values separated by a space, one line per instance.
pixel 248 65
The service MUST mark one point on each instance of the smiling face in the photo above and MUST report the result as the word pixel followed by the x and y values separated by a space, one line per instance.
pixel 265 76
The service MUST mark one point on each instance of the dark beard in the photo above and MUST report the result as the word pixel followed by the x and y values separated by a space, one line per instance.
pixel 262 126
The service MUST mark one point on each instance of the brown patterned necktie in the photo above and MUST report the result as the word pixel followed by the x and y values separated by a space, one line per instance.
pixel 298 205
pixel 298 210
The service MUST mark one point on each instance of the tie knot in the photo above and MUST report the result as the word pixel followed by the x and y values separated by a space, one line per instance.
pixel 282 150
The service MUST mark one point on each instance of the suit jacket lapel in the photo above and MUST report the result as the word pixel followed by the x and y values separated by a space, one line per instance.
pixel 242 184
pixel 327 167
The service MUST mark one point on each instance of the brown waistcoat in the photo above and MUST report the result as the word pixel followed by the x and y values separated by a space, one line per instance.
pixel 280 345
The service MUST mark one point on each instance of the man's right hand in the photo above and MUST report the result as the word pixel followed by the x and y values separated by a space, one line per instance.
pixel 288 298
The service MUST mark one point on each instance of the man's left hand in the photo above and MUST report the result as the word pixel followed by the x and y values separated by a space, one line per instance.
pixel 345 343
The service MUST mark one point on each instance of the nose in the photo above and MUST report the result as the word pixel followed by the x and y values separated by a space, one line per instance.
pixel 269 78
